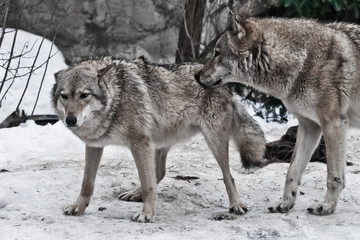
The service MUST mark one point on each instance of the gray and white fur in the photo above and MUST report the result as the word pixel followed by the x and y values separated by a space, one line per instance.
pixel 148 108
pixel 314 69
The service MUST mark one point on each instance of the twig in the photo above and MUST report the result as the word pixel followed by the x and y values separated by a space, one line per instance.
pixel 34 70
pixel 21 55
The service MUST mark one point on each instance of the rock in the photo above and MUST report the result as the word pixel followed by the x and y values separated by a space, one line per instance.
pixel 14 119
pixel 282 149
pixel 95 28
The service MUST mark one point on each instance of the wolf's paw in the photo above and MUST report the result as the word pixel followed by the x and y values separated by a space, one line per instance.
pixel 281 207
pixel 238 209
pixel 143 217
pixel 74 209
pixel 132 196
pixel 321 209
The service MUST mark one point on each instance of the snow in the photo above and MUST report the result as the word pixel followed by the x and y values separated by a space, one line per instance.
pixel 45 167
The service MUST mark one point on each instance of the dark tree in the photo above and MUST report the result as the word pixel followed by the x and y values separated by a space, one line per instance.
pixel 190 31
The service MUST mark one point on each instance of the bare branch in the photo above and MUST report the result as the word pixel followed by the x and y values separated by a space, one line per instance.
pixel 34 70
pixel 22 55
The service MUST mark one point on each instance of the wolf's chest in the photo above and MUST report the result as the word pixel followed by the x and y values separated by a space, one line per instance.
pixel 113 138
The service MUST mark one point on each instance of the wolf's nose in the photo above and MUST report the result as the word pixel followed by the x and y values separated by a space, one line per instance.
pixel 197 76
pixel 71 121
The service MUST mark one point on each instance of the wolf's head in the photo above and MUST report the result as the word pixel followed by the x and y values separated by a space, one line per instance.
pixel 78 95
pixel 234 53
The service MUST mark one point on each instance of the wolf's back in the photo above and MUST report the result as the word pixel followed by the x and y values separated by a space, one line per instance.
pixel 352 31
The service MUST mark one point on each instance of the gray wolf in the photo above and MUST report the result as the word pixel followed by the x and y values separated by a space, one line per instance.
pixel 148 108
pixel 314 68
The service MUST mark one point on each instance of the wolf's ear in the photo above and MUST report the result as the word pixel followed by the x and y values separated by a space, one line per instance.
pixel 104 70
pixel 58 74
pixel 238 21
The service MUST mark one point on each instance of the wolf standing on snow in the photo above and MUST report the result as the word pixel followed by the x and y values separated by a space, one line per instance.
pixel 148 108
pixel 314 69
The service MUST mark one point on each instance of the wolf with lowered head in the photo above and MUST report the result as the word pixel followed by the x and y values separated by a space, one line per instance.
pixel 148 108
pixel 314 69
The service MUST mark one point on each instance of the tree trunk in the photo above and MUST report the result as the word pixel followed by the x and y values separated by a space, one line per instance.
pixel 190 31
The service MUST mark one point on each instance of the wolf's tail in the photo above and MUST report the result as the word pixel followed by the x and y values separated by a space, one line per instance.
pixel 248 136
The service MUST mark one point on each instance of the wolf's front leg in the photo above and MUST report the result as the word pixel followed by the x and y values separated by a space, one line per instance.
pixel 142 150
pixel 92 160
pixel 307 139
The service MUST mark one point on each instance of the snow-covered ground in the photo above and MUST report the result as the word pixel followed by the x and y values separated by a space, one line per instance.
pixel 44 173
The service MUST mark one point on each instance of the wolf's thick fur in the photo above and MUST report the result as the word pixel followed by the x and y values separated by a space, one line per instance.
pixel 148 108
pixel 314 69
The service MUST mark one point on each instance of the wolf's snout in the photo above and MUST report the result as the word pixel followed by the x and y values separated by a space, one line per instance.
pixel 197 78
pixel 71 121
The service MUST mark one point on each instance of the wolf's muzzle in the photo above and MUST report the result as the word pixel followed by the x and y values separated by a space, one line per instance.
pixel 197 78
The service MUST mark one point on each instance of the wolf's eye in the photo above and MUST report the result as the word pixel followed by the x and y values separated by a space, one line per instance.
pixel 217 53
pixel 63 96
pixel 84 95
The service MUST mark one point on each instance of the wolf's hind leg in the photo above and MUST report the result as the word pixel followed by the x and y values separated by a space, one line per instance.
pixel 92 160
pixel 307 139
pixel 160 160
pixel 335 139
pixel 219 145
